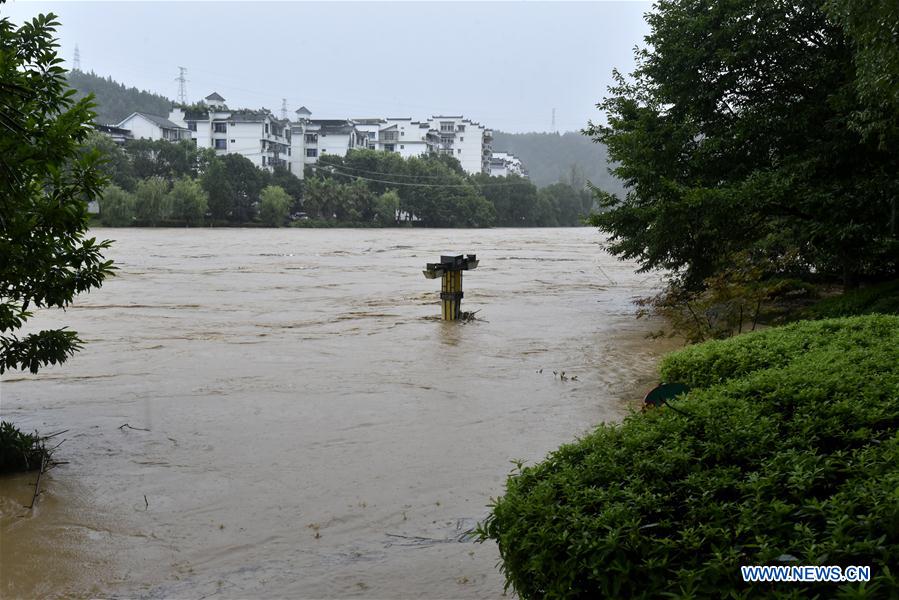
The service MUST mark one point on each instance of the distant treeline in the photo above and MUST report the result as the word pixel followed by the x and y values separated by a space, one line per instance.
pixel 553 157
pixel 155 183
pixel 114 100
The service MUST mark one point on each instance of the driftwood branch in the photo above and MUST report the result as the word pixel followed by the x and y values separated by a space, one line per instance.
pixel 122 426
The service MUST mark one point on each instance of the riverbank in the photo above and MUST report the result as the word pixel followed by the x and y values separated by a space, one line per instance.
pixel 783 452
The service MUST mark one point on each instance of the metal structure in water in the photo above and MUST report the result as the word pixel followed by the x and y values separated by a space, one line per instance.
pixel 449 269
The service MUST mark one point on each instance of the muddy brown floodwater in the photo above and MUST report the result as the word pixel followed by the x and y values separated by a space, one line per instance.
pixel 312 429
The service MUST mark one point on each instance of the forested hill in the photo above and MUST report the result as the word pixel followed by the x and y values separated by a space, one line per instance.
pixel 549 157
pixel 116 101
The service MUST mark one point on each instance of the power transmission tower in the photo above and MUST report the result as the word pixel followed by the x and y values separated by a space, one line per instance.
pixel 553 128
pixel 76 63
pixel 182 85
pixel 283 108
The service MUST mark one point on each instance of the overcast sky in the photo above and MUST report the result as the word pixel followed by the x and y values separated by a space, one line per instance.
pixel 505 64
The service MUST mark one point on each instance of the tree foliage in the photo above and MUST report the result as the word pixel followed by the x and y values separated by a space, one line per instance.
pixel 735 131
pixel 274 206
pixel 45 184
pixel 152 202
pixel 115 101
pixel 189 201
pixel 117 207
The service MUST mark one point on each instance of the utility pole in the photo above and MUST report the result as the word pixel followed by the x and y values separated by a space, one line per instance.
pixel 182 85
pixel 283 108
pixel 76 63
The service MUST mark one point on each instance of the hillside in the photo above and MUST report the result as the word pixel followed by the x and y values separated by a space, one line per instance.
pixel 549 157
pixel 114 100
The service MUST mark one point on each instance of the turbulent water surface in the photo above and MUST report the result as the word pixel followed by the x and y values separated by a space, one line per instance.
pixel 268 413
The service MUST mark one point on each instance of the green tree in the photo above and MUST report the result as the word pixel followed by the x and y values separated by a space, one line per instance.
pixel 274 206
pixel 189 201
pixel 217 187
pixel 734 132
pixel 386 207
pixel 116 163
pixel 117 207
pixel 244 181
pixel 152 201
pixel 45 183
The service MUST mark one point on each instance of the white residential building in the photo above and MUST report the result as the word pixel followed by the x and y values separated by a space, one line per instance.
pixel 464 139
pixel 503 164
pixel 255 134
pixel 406 137
pixel 152 127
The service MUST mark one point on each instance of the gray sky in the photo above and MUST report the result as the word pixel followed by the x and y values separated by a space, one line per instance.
pixel 505 64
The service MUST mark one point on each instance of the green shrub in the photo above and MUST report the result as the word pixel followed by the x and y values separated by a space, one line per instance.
pixel 20 451
pixel 786 452
pixel 882 298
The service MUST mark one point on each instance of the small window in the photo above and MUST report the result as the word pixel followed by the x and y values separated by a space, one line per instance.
pixel 461 138
pixel 311 152
pixel 389 147
pixel 288 151
pixel 460 128
pixel 220 127
pixel 192 125
pixel 232 141
pixel 402 133
pixel 459 151
pixel 221 144
pixel 311 138
pixel 402 147
pixel 263 161
pixel 266 129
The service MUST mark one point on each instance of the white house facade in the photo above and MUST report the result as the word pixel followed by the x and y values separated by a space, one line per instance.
pixel 466 140
pixel 503 164
pixel 152 127
pixel 255 134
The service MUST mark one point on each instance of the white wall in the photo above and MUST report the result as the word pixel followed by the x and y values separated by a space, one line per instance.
pixel 142 128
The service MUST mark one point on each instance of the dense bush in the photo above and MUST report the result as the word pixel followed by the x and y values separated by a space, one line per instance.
pixel 786 452
pixel 882 298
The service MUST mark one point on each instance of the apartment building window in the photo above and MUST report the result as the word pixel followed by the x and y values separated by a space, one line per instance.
pixel 263 161
pixel 402 147
pixel 371 135
pixel 447 127
pixel 221 144
pixel 192 125
pixel 460 128
pixel 266 129
pixel 220 127
pixel 311 138
pixel 459 151
pixel 311 152
pixel 461 138
pixel 445 139
pixel 389 147
pixel 232 141
pixel 388 136
pixel 288 151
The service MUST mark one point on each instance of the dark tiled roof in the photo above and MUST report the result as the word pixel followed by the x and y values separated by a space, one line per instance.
pixel 304 110
pixel 215 96
pixel 161 121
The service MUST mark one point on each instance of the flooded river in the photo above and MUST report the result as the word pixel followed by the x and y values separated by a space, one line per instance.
pixel 271 413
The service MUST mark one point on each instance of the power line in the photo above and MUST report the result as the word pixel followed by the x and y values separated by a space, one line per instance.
pixel 331 169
